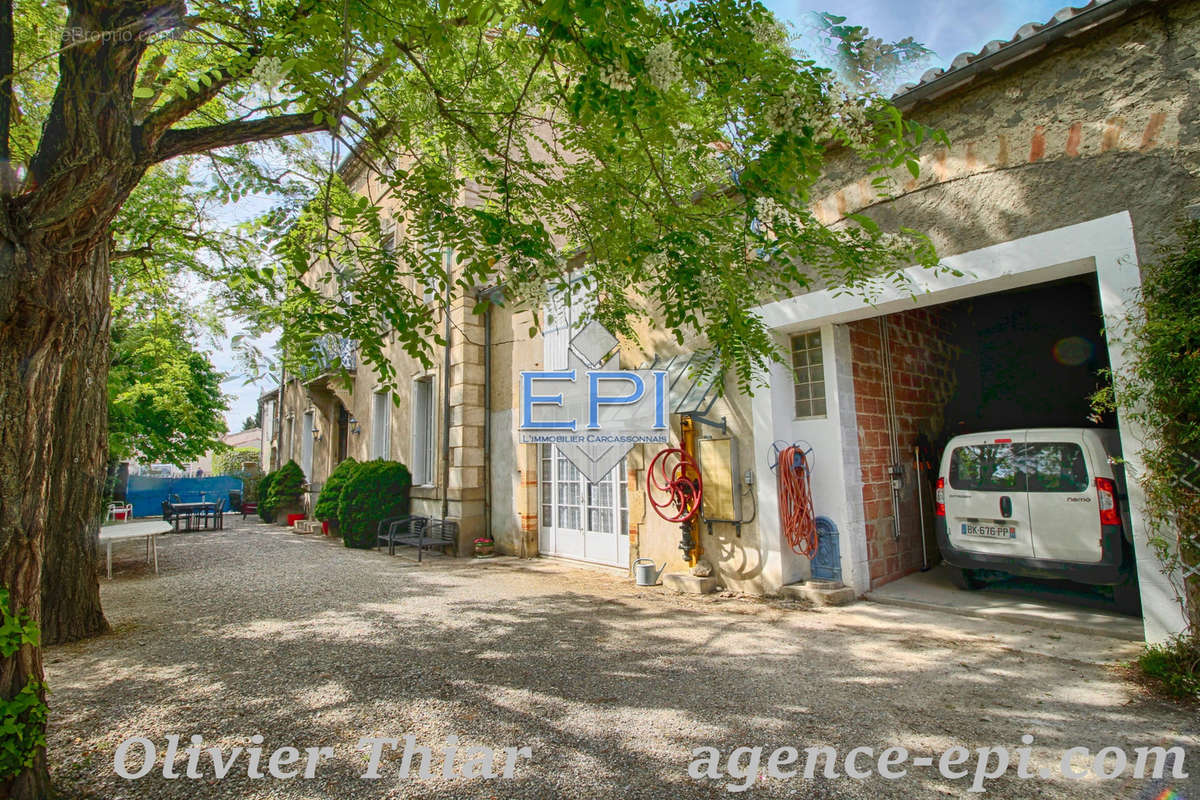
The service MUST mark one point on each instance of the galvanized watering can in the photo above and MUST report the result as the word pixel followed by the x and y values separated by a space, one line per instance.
pixel 643 570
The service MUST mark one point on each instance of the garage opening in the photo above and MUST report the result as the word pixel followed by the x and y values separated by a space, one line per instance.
pixel 1026 358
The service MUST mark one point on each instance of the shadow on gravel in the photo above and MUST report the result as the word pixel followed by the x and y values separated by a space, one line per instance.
pixel 309 644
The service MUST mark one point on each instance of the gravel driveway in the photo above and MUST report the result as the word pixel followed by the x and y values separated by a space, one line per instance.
pixel 255 630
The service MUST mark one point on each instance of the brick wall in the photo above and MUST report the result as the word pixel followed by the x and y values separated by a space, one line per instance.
pixel 922 376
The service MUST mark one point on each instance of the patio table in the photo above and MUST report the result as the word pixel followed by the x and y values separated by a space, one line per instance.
pixel 134 530
pixel 189 509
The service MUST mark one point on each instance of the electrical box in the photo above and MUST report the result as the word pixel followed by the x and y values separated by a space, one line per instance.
pixel 719 471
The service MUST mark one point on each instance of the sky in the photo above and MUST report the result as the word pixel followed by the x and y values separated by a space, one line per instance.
pixel 948 27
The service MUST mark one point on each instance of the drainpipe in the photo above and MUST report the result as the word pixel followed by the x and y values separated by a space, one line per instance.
pixel 489 296
pixel 487 420
pixel 446 262
pixel 279 418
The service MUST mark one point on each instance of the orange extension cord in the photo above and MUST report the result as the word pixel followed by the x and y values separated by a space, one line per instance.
pixel 795 501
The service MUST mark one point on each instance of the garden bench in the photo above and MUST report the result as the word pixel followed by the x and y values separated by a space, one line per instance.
pixel 420 532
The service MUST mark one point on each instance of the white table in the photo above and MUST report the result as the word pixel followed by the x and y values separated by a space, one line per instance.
pixel 134 530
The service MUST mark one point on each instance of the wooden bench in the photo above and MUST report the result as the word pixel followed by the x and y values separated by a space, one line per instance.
pixel 416 531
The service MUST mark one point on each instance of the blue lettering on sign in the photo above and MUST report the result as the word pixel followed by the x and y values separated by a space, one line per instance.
pixel 595 400
pixel 529 400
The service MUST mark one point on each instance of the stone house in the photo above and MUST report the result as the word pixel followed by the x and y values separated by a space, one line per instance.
pixel 1075 149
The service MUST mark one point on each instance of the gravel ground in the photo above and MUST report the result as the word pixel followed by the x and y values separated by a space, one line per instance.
pixel 255 630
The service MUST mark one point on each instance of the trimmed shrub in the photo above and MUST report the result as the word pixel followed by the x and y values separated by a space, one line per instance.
pixel 331 493
pixel 374 491
pixel 287 489
pixel 263 490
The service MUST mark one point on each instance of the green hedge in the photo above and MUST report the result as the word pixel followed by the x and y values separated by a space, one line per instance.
pixel 374 491
pixel 331 493
pixel 287 488
pixel 264 489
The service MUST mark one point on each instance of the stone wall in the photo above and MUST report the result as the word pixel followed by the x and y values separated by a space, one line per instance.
pixel 1105 122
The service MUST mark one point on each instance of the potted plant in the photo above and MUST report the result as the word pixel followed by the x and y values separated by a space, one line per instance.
pixel 286 497
pixel 326 508
pixel 484 547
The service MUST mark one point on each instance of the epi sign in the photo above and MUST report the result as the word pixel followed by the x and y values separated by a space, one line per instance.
pixel 593 412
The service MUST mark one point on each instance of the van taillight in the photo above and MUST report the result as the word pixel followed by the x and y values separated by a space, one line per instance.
pixel 1109 514
pixel 939 498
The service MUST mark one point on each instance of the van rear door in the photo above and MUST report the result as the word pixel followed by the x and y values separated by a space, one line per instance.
pixel 1063 505
pixel 987 510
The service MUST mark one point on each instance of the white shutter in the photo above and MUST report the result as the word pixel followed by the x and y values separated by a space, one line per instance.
pixel 562 317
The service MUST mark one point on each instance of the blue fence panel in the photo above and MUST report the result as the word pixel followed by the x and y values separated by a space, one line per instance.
pixel 147 492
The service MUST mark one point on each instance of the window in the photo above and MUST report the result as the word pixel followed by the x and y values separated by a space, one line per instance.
pixel 444 258
pixel 381 425
pixel 808 375
pixel 986 468
pixel 1055 467
pixel 268 422
pixel 387 235
pixel 423 436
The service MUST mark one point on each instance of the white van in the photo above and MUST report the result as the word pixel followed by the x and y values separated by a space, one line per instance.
pixel 1043 503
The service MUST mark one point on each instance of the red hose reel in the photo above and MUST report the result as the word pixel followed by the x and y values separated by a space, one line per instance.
pixel 673 485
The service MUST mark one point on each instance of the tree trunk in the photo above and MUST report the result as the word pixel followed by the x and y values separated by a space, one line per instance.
pixel 70 587
pixel 53 364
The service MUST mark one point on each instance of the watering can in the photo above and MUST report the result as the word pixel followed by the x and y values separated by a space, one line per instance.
pixel 643 570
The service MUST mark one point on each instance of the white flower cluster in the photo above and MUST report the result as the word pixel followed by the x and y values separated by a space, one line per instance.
pixel 781 114
pixel 850 113
pixel 895 241
pixel 616 78
pixel 662 66
pixel 767 31
pixel 269 72
pixel 655 261
pixel 769 212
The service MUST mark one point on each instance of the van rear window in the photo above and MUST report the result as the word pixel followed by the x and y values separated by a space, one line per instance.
pixel 986 468
pixel 1055 467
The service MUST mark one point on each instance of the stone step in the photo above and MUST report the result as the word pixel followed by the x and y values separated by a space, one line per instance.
pixel 689 584
pixel 820 593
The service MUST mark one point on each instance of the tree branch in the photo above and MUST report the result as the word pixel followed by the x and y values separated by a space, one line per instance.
pixel 182 141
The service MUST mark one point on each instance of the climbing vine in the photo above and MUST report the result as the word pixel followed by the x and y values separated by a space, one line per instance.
pixel 23 717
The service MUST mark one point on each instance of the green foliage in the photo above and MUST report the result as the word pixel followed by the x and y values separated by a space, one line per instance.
pixel 1175 664
pixel 164 396
pixel 231 461
pixel 1160 388
pixel 287 488
pixel 23 717
pixel 374 491
pixel 331 493
pixel 863 61
pixel 265 512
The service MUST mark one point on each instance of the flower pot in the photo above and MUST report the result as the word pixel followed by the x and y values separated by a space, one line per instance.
pixel 325 527
pixel 484 548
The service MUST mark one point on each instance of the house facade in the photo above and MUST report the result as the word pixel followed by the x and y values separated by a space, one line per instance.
pixel 1074 152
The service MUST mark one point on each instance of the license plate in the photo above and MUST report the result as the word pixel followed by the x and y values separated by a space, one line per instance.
pixel 989 531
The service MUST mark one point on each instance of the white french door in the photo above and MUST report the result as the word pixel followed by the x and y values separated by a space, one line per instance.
pixel 579 519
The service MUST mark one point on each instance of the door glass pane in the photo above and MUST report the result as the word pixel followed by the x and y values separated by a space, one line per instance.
pixel 1055 467
pixel 986 468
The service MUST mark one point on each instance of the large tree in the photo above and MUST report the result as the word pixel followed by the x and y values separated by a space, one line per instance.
pixel 637 134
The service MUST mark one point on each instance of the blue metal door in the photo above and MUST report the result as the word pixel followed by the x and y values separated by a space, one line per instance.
pixel 827 564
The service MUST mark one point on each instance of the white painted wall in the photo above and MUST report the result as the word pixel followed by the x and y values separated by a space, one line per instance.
pixel 1105 246
pixel 836 478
